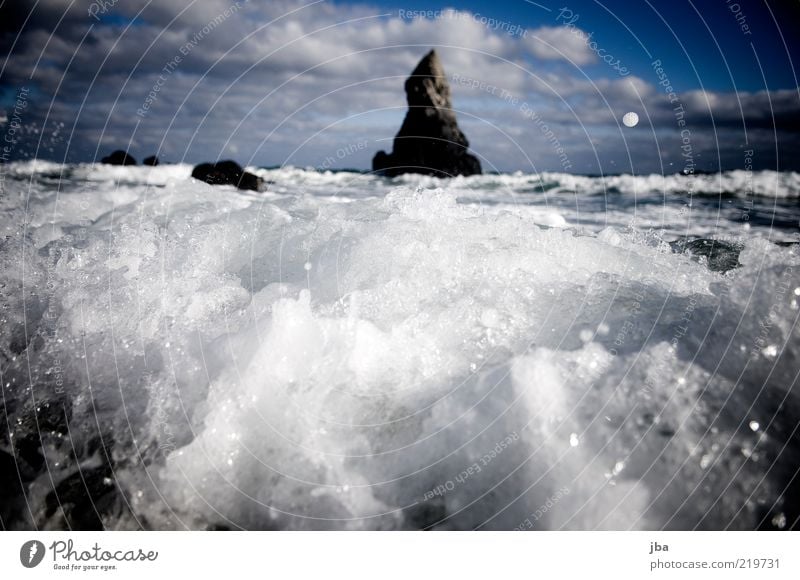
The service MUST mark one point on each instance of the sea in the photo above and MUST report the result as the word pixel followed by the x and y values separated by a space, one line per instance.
pixel 346 351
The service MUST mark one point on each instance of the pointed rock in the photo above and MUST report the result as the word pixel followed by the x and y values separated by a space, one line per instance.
pixel 429 141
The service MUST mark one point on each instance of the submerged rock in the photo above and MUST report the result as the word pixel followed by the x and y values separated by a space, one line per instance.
pixel 228 173
pixel 152 160
pixel 35 425
pixel 119 157
pixel 719 256
pixel 429 141
pixel 82 501
pixel 13 507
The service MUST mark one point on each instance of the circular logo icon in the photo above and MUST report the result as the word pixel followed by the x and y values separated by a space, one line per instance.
pixel 31 553
pixel 630 119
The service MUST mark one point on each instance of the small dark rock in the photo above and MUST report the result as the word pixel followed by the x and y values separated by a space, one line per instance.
pixel 429 141
pixel 119 157
pixel 720 256
pixel 152 160
pixel 667 432
pixel 228 173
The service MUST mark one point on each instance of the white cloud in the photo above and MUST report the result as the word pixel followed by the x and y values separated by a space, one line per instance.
pixel 561 42
pixel 336 70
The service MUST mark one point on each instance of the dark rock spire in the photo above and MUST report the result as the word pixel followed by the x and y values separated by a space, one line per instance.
pixel 429 141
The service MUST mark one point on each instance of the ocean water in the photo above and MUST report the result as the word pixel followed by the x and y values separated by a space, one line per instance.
pixel 345 351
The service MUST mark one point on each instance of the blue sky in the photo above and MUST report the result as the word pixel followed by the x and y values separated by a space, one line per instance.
pixel 288 82
pixel 699 35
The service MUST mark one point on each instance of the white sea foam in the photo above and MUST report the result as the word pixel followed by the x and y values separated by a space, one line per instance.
pixel 780 185
pixel 284 360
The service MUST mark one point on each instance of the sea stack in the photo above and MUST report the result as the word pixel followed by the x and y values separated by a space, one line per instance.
pixel 429 141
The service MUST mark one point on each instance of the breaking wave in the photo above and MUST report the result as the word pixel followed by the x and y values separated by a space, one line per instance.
pixel 349 352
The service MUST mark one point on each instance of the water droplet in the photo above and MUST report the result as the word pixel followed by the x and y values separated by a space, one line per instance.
pixel 573 440
pixel 779 521
pixel 754 425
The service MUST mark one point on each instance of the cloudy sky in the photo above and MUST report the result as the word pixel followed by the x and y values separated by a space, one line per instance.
pixel 536 85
